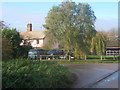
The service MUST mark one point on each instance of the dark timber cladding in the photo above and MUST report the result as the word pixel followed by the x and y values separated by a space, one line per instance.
pixel 112 50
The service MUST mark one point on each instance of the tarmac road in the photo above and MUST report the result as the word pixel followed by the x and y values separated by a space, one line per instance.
pixel 111 82
pixel 89 74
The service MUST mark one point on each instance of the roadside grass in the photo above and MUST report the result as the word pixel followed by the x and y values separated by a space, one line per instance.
pixel 84 61
pixel 94 61
pixel 99 57
pixel 25 73
pixel 88 62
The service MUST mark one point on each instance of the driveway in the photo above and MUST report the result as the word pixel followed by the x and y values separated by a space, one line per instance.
pixel 89 74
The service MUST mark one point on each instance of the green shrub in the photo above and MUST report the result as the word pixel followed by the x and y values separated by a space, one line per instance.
pixel 14 40
pixel 6 50
pixel 34 74
pixel 118 57
pixel 24 51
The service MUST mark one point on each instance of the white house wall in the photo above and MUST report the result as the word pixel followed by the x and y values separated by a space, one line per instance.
pixel 35 45
pixel 41 43
pixel 21 44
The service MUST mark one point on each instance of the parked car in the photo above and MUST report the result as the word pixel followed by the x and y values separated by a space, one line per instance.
pixel 55 52
pixel 35 53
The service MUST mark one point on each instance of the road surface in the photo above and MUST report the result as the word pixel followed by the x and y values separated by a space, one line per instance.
pixel 111 82
pixel 89 74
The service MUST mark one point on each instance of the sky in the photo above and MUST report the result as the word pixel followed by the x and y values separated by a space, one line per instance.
pixel 19 14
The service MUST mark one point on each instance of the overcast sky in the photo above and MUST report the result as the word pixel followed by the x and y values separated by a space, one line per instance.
pixel 19 14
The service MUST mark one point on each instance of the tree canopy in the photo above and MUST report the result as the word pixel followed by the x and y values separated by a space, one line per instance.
pixel 72 26
pixel 98 43
pixel 12 35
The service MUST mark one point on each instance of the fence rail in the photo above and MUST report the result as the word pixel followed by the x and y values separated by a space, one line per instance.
pixel 55 57
pixel 49 57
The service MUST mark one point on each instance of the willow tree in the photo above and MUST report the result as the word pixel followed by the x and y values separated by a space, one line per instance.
pixel 98 44
pixel 72 26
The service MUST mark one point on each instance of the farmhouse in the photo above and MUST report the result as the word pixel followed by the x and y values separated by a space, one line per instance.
pixel 36 39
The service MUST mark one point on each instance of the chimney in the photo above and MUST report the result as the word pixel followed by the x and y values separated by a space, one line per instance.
pixel 29 27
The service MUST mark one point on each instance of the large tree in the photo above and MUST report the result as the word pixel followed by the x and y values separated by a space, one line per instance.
pixel 72 26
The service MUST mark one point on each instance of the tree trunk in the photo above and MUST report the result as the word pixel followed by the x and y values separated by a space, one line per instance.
pixel 69 57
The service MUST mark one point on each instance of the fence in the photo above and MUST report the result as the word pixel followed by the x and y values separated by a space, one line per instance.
pixel 68 57
pixel 55 57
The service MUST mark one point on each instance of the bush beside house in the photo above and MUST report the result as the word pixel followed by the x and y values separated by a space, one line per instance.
pixel 22 73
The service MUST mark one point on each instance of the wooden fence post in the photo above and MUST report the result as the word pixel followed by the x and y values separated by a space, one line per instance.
pixel 53 57
pixel 69 57
pixel 40 57
pixel 85 57
pixel 101 57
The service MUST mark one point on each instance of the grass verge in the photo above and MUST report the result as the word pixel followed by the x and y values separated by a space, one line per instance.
pixel 89 61
pixel 85 61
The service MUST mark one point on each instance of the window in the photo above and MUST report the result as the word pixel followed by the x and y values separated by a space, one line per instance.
pixel 37 41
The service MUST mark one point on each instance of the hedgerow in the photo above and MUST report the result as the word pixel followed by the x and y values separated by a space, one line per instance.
pixel 23 73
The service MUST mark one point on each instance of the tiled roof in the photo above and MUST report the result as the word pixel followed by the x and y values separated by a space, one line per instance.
pixel 39 34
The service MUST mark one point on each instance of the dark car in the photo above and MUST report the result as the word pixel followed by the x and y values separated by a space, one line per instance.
pixel 35 53
pixel 55 52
